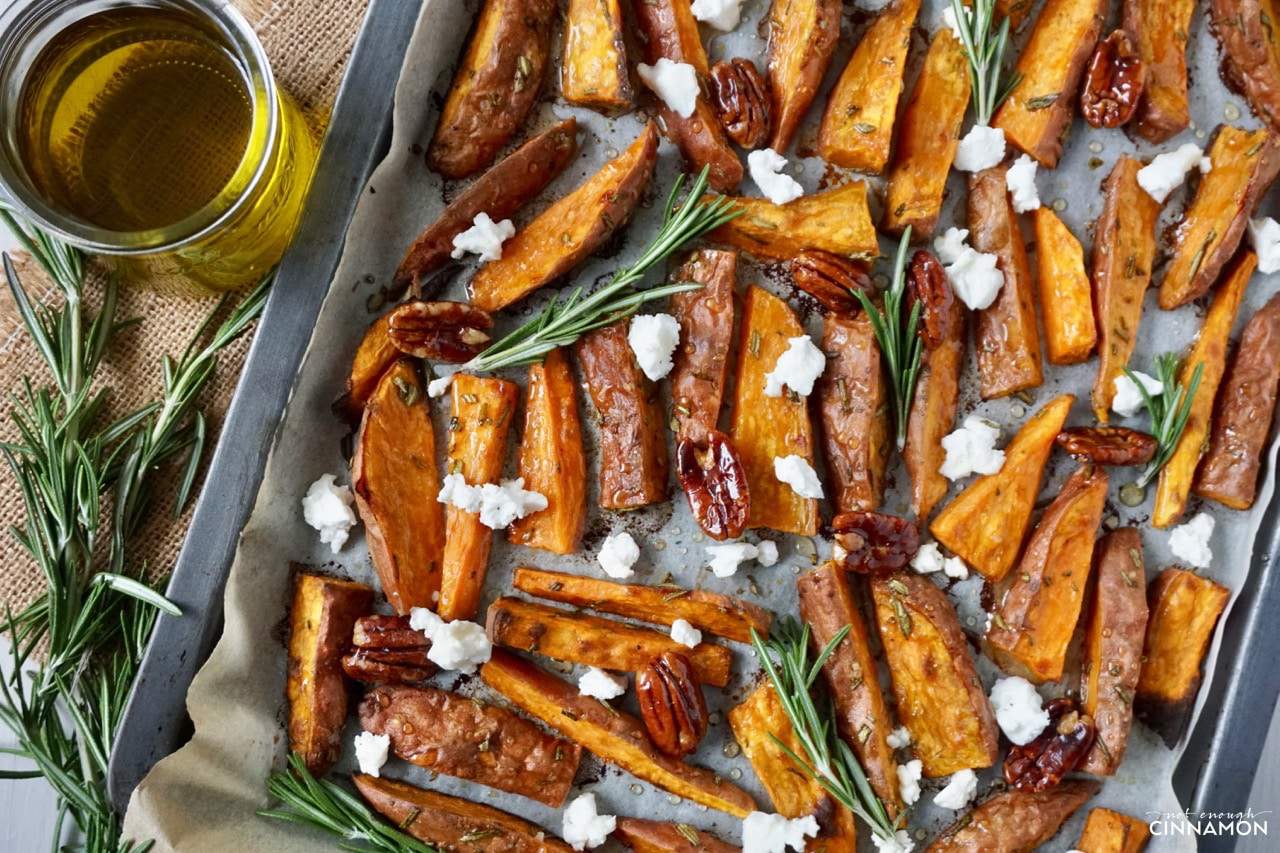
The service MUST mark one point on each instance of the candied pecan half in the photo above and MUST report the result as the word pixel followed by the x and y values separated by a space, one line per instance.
pixel 875 542
pixel 1114 83
pixel 388 666
pixel 671 704
pixel 1041 764
pixel 1108 445
pixel 740 97
pixel 442 331
pixel 927 285
pixel 715 482
pixel 831 280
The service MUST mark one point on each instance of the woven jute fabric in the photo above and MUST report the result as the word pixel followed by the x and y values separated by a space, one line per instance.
pixel 308 42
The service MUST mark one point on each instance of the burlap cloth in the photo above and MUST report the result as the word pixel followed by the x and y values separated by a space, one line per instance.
pixel 308 42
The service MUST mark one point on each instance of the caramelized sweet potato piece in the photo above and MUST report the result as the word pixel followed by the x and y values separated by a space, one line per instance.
pixel 654 836
pixel 595 57
pixel 1036 619
pixel 1250 52
pixel 835 220
pixel 1209 349
pixel 373 356
pixel 1014 821
pixel 712 612
pixel 928 138
pixel 802 37
pixel 701 363
pixel 985 523
pixel 564 234
pixel 394 477
pixel 856 434
pixel 613 736
pixel 1037 114
pixel 552 461
pixel 483 408
pixel 933 414
pixel 633 447
pixel 1065 293
pixel 1106 831
pixel 765 427
pixel 1159 30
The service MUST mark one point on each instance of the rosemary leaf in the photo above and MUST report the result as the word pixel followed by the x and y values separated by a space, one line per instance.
pixel 1169 410
pixel 984 46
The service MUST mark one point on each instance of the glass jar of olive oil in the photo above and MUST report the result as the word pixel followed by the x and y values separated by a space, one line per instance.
pixel 152 132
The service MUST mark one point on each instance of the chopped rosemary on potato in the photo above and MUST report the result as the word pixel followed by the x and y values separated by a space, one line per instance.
pixel 1169 410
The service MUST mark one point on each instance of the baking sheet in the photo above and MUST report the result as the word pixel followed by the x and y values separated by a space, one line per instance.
pixel 203 797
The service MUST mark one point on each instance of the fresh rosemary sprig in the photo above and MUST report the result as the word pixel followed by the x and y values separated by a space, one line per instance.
pixel 828 760
pixel 323 805
pixel 900 346
pixel 984 46
pixel 1169 410
pixel 562 322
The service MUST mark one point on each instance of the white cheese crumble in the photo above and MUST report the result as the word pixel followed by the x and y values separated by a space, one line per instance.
pixel 766 167
pixel 484 238
pixel 909 780
pixel 726 558
pixel 767 552
pixel 455 492
pixel 601 685
pixel 1019 710
pixel 951 245
pixel 618 554
pixel 900 843
pixel 653 339
pixel 973 275
pixel 797 368
pixel 498 504
pixel 773 833
pixel 584 826
pixel 1265 235
pixel 1190 542
pixel 1021 181
pixel 929 559
pixel 685 634
pixel 438 386
pixel 954 567
pixel 949 19
pixel 959 790
pixel 797 473
pixel 899 738
pixel 371 752
pixel 460 645
pixel 723 15
pixel 327 507
pixel 1127 401
pixel 971 449
pixel 1167 171
pixel 675 84
pixel 981 148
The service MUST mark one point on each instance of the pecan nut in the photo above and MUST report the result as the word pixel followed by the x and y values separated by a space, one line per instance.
pixel 874 542
pixel 671 704
pixel 442 331
pixel 1114 83
pixel 831 279
pixel 715 482
pixel 740 96
pixel 1060 748
pixel 927 286
pixel 1108 445
pixel 385 632
pixel 386 650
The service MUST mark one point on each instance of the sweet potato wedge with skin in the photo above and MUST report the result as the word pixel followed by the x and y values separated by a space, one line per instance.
pixel 854 403
pixel 634 467
pixel 1066 296
pixel 595 57
pixel 1106 831
pixel 1159 30
pixel 373 356
pixel 802 38
pixel 1037 114
pixel 654 836
pixel 1184 610
pixel 1210 349
pixel 1244 411
pixel 320 621
pixel 483 408
pixel 857 127
pixel 495 86
pixel 552 461
pixel 767 427
pixel 452 823
pixel 700 368
pixel 613 736
pixel 985 524
pixel 499 192
pixel 928 136
pixel 835 220
pixel 1036 618
pixel 565 635
pixel 1250 52
pixel 395 480
pixel 564 234
pixel 827 605
pixel 939 695
pixel 459 736
pixel 1244 165
pixel 933 414
pixel 712 612
pixel 1124 249
pixel 1015 822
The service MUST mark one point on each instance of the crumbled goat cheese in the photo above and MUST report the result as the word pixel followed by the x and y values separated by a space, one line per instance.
pixel 959 790
pixel 949 19
pixel 954 567
pixel 909 780
pixel 928 559
pixel 899 738
pixel 726 558
pixel 653 339
pixel 1127 401
pixel 1019 710
pixel 1021 181
pixel 766 167
pixel 585 827
pixel 797 473
pixel 1167 171
pixel 327 507
pixel 425 621
pixel 484 238
pixel 773 833
pixel 498 504
pixel 1265 236
pixel 438 386
pixel 900 843
pixel 767 552
pixel 951 245
pixel 602 685
pixel 1190 542
pixel 723 15
pixel 618 554
pixel 797 368
pixel 371 752
pixel 981 148
pixel 973 275
pixel 460 646
pixel 675 84
pixel 971 450
pixel 685 634
pixel 454 491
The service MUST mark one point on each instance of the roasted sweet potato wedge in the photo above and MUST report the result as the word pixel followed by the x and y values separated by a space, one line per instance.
pixel 701 365
pixel 1066 297
pixel 395 478
pixel 634 467
pixel 495 86
pixel 1184 610
pixel 928 136
pixel 1124 249
pixel 712 612
pixel 483 408
pixel 375 354
pixel 827 605
pixel 854 402
pixel 1106 831
pixel 564 234
pixel 985 523
pixel 552 460
pixel 1159 30
pixel 835 220
pixel 595 57
pixel 614 736
pixel 857 126
pixel 939 695
pixel 1244 165
pixel 765 427
pixel 1037 114
pixel 802 37
pixel 1036 619
pixel 1014 821
pixel 933 414
pixel 452 823
pixel 655 836
pixel 1250 52
pixel 1209 349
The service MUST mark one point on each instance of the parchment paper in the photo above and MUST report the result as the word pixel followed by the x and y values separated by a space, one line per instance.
pixel 204 796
